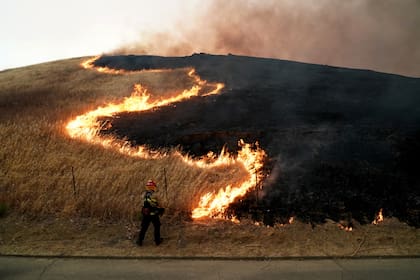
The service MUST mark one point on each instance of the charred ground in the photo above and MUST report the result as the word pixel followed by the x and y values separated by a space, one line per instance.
pixel 342 143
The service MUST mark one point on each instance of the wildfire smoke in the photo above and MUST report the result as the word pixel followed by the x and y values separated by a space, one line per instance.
pixel 361 33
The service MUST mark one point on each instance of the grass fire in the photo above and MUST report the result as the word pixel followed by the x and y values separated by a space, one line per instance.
pixel 87 127
pixel 293 157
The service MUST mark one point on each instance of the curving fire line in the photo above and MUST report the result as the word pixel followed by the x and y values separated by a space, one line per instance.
pixel 86 127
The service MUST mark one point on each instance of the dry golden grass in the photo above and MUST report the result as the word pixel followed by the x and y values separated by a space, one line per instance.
pixel 36 156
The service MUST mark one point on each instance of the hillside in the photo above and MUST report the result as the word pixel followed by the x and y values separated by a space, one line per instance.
pixel 341 144
pixel 344 141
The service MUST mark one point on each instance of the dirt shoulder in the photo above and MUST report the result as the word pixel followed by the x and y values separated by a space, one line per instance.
pixel 207 238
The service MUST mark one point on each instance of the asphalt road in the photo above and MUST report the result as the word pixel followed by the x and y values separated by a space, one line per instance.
pixel 87 268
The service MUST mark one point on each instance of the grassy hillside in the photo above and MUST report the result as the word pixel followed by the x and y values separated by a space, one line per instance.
pixel 344 140
pixel 37 157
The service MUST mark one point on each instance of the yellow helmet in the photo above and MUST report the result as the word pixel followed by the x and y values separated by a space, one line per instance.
pixel 151 186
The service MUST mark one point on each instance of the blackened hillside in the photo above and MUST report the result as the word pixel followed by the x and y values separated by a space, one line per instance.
pixel 343 143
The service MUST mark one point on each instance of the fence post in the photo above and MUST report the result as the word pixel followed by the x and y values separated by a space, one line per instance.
pixel 73 181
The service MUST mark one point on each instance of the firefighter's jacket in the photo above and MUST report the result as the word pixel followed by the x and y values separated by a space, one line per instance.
pixel 150 204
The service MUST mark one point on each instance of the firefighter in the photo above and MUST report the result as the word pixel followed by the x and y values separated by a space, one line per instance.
pixel 150 212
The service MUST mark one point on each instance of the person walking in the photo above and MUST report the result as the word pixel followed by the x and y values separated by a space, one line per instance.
pixel 150 212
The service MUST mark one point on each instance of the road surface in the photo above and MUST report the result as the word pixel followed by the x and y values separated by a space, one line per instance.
pixel 90 268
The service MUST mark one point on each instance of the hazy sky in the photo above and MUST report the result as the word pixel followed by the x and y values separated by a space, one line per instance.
pixel 33 31
pixel 382 35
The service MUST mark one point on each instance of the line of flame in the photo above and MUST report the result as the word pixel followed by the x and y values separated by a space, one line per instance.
pixel 87 126
pixel 90 64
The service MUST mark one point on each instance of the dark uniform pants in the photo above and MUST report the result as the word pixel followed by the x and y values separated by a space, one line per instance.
pixel 147 219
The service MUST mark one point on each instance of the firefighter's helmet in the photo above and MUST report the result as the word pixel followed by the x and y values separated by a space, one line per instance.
pixel 151 185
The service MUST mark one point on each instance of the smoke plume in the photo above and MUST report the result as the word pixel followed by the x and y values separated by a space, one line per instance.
pixel 381 35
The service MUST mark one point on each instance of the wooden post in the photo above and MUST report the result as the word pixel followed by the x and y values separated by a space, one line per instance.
pixel 73 181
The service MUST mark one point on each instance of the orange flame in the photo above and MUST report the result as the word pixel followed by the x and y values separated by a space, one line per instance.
pixel 87 126
pixel 289 222
pixel 214 204
pixel 89 64
pixel 379 218
pixel 345 228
